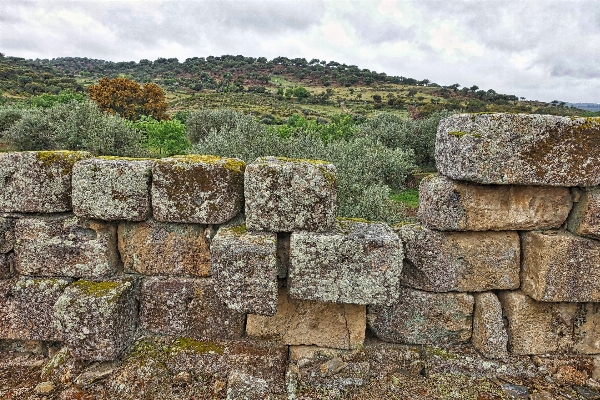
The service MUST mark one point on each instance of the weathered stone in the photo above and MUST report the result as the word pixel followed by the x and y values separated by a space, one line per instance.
pixel 97 319
pixel 285 195
pixel 65 246
pixel 112 188
pixel 163 248
pixel 358 263
pixel 559 266
pixel 62 367
pixel 245 270
pixel 299 322
pixel 449 205
pixel 6 265
pixel 37 181
pixel 460 261
pixel 522 149
pixel 7 234
pixel 536 327
pixel 586 332
pixel 584 220
pixel 189 307
pixel 26 308
pixel 489 334
pixel 424 318
pixel 244 386
pixel 197 189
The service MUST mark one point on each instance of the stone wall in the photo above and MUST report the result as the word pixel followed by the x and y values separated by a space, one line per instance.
pixel 206 277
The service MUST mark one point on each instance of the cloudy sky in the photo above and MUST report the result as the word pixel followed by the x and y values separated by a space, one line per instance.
pixel 542 50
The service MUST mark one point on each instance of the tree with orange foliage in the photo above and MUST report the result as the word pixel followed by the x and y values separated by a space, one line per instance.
pixel 127 98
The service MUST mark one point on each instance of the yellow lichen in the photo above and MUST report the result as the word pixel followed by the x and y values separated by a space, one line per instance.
pixel 96 289
pixel 232 164
pixel 195 346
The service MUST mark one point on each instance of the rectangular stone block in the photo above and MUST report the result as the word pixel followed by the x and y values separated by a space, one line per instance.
pixel 65 246
pixel 285 195
pixel 112 188
pixel 521 149
pixel 245 269
pixel 584 220
pixel 559 266
pixel 420 317
pixel 26 308
pixel 448 205
pixel 197 189
pixel 163 248
pixel 37 181
pixel 187 307
pixel 97 319
pixel 358 263
pixel 489 334
pixel 299 322
pixel 460 261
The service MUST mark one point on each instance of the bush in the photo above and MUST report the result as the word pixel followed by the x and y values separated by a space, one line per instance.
pixel 162 138
pixel 9 116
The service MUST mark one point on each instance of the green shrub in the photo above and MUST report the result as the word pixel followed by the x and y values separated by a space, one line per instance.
pixel 9 116
pixel 46 100
pixel 162 138
pixel 200 123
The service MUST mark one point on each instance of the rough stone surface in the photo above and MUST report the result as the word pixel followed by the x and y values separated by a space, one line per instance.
pixel 245 270
pixel 300 322
pixel 536 327
pixel 37 181
pixel 65 246
pixel 163 248
pixel 189 307
pixel 358 263
pixel 448 205
pixel 7 234
pixel 586 332
pixel 112 188
pixel 285 195
pixel 26 308
pixel 584 220
pixel 559 266
pixel 197 189
pixel 97 319
pixel 6 265
pixel 460 261
pixel 424 318
pixel 489 335
pixel 522 149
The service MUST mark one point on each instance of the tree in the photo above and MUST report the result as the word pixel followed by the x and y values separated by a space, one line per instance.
pixel 127 98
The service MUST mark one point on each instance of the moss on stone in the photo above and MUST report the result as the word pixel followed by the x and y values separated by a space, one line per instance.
pixel 96 289
pixel 116 158
pixel 238 230
pixel 64 158
pixel 195 346
pixel 302 160
pixel 231 164
pixel 460 134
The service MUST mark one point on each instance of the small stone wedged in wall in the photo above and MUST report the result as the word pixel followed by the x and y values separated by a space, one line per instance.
pixel 97 319
pixel 164 248
pixel 37 181
pixel 188 307
pixel 302 322
pixel 65 245
pixel 6 265
pixel 522 149
pixel 584 220
pixel 26 311
pixel 245 268
pixel 285 195
pixel 448 205
pixel 489 334
pixel 197 189
pixel 357 263
pixel 420 317
pixel 459 261
pixel 112 188
pixel 559 266
pixel 7 234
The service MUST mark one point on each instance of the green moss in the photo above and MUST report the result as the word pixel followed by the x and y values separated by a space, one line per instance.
pixel 438 352
pixel 115 158
pixel 238 230
pixel 408 197
pixel 231 164
pixel 96 289
pixel 302 160
pixel 195 346
pixel 460 134
pixel 64 158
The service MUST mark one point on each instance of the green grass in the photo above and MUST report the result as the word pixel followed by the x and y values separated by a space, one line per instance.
pixel 408 197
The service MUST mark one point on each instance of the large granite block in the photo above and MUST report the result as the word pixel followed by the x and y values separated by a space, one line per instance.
pixel 97 319
pixel 65 246
pixel 285 195
pixel 26 308
pixel 460 261
pixel 245 270
pixel 559 266
pixel 37 181
pixel 197 189
pixel 112 188
pixel 299 322
pixel 448 205
pixel 489 334
pixel 424 318
pixel 358 263
pixel 188 307
pixel 164 248
pixel 521 149
pixel 584 220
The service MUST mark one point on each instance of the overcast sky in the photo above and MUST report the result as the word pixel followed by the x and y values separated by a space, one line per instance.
pixel 544 50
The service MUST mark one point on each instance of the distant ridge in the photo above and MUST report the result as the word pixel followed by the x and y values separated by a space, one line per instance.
pixel 585 106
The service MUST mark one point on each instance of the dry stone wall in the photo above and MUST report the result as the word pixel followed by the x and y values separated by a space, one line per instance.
pixel 201 275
